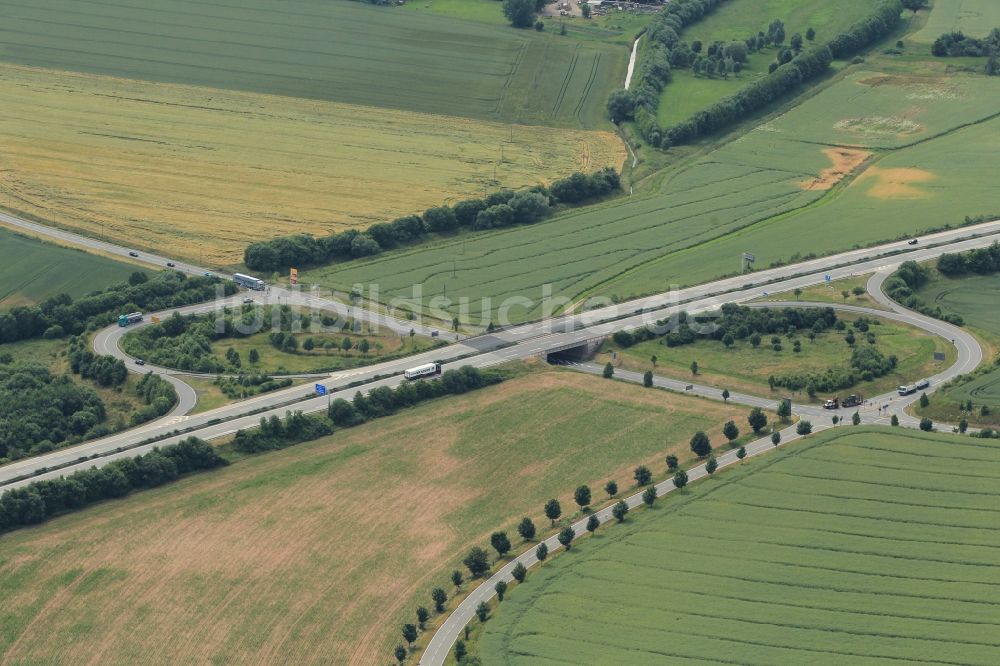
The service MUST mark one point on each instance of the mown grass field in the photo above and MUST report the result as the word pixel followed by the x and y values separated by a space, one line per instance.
pixel 743 368
pixel 321 551
pixel 861 546
pixel 756 194
pixel 204 172
pixel 973 17
pixel 32 270
pixel 735 21
pixel 331 50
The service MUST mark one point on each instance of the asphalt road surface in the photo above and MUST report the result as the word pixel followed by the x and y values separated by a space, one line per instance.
pixel 532 339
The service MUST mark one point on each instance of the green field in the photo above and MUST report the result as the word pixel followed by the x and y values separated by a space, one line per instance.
pixel 973 17
pixel 320 552
pixel 974 298
pixel 735 21
pixel 32 270
pixel 330 50
pixel 774 192
pixel 743 368
pixel 861 546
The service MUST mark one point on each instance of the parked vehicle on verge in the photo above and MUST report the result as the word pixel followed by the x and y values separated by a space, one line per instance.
pixel 128 319
pixel 425 370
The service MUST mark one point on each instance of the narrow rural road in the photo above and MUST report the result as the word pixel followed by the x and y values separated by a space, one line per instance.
pixel 969 356
pixel 446 635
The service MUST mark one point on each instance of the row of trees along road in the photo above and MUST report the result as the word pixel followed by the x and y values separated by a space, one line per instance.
pixel 500 209
pixel 667 51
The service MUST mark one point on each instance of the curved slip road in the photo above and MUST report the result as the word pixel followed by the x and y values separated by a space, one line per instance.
pixel 532 339
pixel 969 356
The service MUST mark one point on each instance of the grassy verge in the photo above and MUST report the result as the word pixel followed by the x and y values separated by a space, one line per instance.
pixel 830 292
pixel 745 368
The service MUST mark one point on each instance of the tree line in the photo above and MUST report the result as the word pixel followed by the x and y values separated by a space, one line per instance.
pixel 957 44
pixel 733 322
pixel 500 209
pixel 478 561
pixel 42 411
pixel 984 260
pixel 105 370
pixel 275 433
pixel 903 285
pixel 41 500
pixel 62 315
pixel 784 75
pixel 663 51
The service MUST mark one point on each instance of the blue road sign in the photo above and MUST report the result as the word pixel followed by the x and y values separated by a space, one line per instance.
pixel 320 389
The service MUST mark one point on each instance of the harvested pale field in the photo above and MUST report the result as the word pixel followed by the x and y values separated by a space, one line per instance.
pixel 203 171
pixel 845 161
pixel 318 553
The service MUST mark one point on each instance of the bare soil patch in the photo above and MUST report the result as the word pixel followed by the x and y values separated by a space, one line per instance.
pixel 845 161
pixel 897 183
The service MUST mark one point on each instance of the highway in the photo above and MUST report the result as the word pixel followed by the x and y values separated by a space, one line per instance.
pixel 517 342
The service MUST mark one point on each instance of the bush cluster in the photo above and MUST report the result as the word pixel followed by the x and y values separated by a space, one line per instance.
pixel 383 401
pixel 902 287
pixel 61 315
pixel 983 261
pixel 755 95
pixel 867 363
pixel 956 44
pixel 157 394
pixel 41 500
pixel 793 67
pixel 244 386
pixel 500 209
pixel 105 370
pixel 40 411
pixel 734 322
pixel 275 433
pixel 884 18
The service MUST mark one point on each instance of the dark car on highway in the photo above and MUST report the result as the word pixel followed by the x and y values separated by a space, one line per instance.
pixel 133 254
